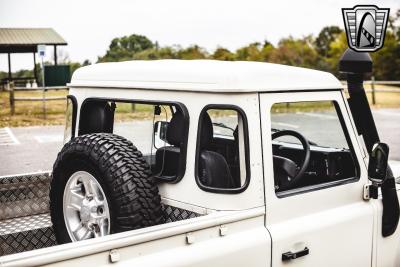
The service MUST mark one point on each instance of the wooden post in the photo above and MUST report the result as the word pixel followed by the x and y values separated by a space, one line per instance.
pixel 373 90
pixel 44 102
pixel 34 68
pixel 55 55
pixel 9 67
pixel 10 88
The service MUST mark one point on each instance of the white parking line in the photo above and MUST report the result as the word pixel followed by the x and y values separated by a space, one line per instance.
pixel 386 112
pixel 318 115
pixel 49 138
pixel 286 125
pixel 7 137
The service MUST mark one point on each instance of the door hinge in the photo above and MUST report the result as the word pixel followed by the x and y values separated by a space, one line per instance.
pixel 370 191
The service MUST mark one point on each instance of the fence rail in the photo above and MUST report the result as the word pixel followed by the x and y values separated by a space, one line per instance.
pixel 374 90
pixel 12 89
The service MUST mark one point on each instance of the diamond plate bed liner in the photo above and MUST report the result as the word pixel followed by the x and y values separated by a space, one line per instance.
pixel 25 222
pixel 24 195
pixel 26 233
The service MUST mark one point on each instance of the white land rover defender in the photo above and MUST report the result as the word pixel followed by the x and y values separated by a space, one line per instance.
pixel 211 163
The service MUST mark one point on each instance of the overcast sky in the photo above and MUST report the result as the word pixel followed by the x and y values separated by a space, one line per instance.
pixel 89 25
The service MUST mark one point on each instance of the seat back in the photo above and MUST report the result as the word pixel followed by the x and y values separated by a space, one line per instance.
pixel 213 169
pixel 168 157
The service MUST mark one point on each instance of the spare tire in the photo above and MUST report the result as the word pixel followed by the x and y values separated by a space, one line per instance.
pixel 101 185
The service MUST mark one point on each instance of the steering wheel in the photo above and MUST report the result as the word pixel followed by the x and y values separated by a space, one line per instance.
pixel 287 173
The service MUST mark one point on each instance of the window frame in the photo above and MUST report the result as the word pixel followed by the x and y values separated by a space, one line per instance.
pixel 316 187
pixel 179 105
pixel 74 114
pixel 246 150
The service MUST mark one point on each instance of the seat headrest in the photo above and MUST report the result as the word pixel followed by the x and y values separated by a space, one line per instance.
pixel 206 132
pixel 176 129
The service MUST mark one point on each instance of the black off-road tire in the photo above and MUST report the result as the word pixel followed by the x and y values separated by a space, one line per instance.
pixel 123 174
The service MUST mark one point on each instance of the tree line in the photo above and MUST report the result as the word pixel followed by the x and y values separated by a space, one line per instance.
pixel 321 52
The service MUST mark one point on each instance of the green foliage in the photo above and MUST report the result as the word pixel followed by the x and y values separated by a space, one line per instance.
pixel 223 54
pixel 336 50
pixel 192 52
pixel 126 47
pixel 325 38
pixel 295 52
pixel 252 52
pixel 387 59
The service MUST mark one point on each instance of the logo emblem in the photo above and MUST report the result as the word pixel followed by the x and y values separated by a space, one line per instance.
pixel 365 27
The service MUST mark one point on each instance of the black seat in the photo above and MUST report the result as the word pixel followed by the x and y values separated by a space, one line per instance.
pixel 168 157
pixel 213 169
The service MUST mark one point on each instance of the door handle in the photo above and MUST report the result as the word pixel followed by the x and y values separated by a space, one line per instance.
pixel 287 256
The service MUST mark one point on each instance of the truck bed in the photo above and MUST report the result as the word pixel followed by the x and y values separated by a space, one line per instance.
pixel 25 222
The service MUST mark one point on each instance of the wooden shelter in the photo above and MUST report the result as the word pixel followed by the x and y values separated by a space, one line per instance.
pixel 26 40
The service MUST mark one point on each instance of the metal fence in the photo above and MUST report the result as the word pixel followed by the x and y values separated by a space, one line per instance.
pixel 12 89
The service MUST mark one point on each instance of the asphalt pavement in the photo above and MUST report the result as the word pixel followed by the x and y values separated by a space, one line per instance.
pixel 34 149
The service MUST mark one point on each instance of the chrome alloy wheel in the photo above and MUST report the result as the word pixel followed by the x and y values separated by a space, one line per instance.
pixel 85 207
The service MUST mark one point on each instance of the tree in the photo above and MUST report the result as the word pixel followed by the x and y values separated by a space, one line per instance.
pixel 335 51
pixel 73 66
pixel 295 52
pixel 223 54
pixel 326 36
pixel 387 59
pixel 156 53
pixel 124 48
pixel 252 52
pixel 192 52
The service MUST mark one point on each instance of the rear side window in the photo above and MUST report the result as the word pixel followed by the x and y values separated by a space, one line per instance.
pixel 158 130
pixel 222 158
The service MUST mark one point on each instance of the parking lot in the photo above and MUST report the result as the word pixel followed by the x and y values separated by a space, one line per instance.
pixel 33 149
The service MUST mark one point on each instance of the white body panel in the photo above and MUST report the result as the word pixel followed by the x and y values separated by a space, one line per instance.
pixel 245 242
pixel 334 223
pixel 203 76
pixel 187 191
pixel 386 249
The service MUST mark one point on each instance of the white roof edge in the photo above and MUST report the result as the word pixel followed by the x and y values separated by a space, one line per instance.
pixel 203 76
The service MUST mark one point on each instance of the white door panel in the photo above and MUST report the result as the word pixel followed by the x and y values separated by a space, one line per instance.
pixel 387 250
pixel 334 223
pixel 334 237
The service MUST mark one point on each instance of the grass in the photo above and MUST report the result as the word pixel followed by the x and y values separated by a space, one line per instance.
pixel 31 113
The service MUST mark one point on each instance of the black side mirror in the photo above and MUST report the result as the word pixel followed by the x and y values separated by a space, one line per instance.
pixel 378 163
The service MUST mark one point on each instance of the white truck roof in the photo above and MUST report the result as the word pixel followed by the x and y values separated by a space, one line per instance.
pixel 203 76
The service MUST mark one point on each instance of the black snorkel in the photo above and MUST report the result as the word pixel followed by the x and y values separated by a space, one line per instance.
pixel 355 65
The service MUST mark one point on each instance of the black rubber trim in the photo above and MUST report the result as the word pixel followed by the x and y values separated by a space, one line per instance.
pixel 311 188
pixel 178 105
pixel 246 148
pixel 348 139
pixel 74 112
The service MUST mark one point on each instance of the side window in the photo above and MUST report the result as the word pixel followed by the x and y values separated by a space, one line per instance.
pixel 70 118
pixel 159 131
pixel 310 146
pixel 222 150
